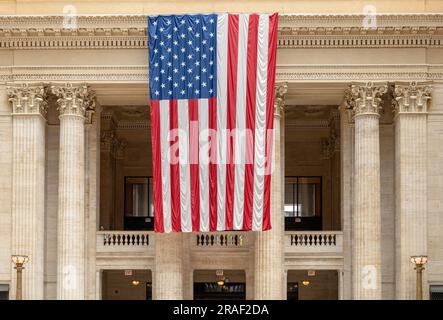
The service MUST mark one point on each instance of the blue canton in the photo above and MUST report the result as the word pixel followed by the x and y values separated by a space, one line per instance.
pixel 182 56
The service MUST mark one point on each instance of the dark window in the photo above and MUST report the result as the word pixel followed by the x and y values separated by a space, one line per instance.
pixel 212 291
pixel 436 292
pixel 292 293
pixel 139 203
pixel 4 292
pixel 302 205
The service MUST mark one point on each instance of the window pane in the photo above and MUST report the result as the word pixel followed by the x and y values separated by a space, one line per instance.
pixel 151 198
pixel 307 191
pixel 140 200
pixel 289 200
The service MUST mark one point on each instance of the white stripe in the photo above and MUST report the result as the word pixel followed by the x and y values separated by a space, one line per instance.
pixel 203 123
pixel 260 122
pixel 165 164
pixel 240 118
pixel 185 180
pixel 222 70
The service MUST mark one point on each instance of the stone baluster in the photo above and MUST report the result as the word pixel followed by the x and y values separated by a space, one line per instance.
pixel 410 107
pixel 75 102
pixel 28 180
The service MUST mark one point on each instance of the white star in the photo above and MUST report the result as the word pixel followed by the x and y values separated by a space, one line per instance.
pixel 170 92
pixel 189 84
pixel 204 70
pixel 168 22
pixel 155 36
pixel 190 56
pixel 204 56
pixel 155 50
pixel 156 78
pixel 204 41
pixel 190 42
pixel 175 84
pixel 204 28
pixel 211 76
pixel 157 93
pixel 161 43
pixel 183 64
pixel 197 63
pixel 197 49
pixel 175 56
pixel 210 91
pixel 204 84
pixel 197 91
pixel 161 29
pixel 183 78
pixel 182 35
pixel 175 70
pixel 162 71
pixel 169 64
pixel 156 64
pixel 169 78
pixel 175 29
pixel 189 29
pixel 154 23
pixel 197 21
pixel 182 50
pixel 211 48
pixel 189 70
pixel 162 57
pixel 211 20
pixel 183 92
pixel 175 42
pixel 169 36
pixel 211 62
pixel 182 21
pixel 211 34
pixel 162 85
pixel 198 35
pixel 168 50
pixel 197 77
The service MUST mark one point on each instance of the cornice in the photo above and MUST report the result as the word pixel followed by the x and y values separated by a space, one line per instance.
pixel 285 73
pixel 295 31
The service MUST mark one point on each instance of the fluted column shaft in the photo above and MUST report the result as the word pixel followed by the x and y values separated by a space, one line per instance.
pixel 71 194
pixel 410 182
pixel 28 180
pixel 366 253
pixel 269 258
pixel 168 273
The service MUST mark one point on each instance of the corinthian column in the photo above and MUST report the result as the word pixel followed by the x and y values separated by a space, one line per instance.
pixel 168 273
pixel 269 258
pixel 410 102
pixel 28 180
pixel 366 253
pixel 73 104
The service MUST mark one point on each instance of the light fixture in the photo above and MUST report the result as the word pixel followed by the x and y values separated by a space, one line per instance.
pixel 135 282
pixel 19 261
pixel 221 282
pixel 306 282
pixel 419 262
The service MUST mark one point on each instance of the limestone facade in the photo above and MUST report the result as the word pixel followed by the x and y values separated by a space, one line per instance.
pixel 360 108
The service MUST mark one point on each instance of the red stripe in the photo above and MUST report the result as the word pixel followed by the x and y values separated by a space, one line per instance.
pixel 212 126
pixel 175 167
pixel 194 163
pixel 272 53
pixel 156 166
pixel 251 86
pixel 230 123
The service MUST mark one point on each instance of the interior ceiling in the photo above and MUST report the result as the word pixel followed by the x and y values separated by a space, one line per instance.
pixel 299 94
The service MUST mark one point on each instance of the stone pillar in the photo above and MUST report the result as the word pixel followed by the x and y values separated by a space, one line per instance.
pixel 410 103
pixel 366 240
pixel 269 245
pixel 28 181
pixel 73 104
pixel 346 183
pixel 168 273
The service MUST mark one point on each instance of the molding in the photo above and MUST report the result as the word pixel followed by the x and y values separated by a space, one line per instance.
pixel 285 73
pixel 295 31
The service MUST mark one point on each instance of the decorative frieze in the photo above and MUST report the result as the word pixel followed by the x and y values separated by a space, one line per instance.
pixel 28 99
pixel 366 98
pixel 75 99
pixel 411 97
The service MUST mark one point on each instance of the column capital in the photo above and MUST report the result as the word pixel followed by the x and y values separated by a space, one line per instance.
pixel 411 97
pixel 75 99
pixel 365 98
pixel 28 99
pixel 280 95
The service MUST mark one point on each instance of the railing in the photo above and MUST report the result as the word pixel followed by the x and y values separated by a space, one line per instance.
pixel 124 241
pixel 220 240
pixel 314 242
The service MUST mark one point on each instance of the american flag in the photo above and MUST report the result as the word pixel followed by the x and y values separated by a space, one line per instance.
pixel 212 102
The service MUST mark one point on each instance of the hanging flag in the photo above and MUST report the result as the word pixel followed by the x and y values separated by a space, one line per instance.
pixel 211 80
